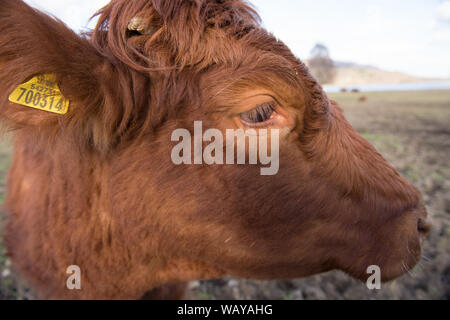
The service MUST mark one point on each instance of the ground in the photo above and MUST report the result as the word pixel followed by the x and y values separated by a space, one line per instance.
pixel 412 130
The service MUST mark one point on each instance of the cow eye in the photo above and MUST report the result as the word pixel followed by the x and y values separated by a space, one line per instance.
pixel 259 115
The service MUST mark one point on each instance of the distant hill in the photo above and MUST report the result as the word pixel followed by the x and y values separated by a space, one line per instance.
pixel 349 74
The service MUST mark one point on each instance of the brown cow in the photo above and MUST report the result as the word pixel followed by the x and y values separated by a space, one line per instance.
pixel 96 187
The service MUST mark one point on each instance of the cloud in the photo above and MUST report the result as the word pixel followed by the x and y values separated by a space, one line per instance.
pixel 441 26
pixel 444 11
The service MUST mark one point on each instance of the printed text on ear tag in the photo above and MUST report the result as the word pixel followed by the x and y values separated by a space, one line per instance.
pixel 41 92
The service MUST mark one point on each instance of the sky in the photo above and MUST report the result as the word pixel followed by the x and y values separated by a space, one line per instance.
pixel 410 36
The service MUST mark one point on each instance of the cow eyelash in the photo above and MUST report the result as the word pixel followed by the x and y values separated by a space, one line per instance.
pixel 259 115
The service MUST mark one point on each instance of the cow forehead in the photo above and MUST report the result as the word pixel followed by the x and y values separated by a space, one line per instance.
pixel 185 32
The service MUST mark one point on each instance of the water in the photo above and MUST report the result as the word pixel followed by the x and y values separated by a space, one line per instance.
pixel 416 86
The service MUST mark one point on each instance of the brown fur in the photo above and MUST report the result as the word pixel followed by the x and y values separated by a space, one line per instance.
pixel 96 188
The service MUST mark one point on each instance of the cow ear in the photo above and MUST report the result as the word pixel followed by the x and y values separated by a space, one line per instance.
pixel 46 70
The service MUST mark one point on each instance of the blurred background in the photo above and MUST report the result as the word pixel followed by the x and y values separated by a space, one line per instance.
pixel 387 63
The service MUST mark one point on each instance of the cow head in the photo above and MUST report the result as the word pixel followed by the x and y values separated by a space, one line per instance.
pixel 335 202
pixel 161 65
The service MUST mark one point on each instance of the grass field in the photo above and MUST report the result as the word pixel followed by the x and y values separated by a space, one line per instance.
pixel 412 130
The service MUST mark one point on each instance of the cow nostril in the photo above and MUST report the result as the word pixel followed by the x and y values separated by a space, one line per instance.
pixel 424 226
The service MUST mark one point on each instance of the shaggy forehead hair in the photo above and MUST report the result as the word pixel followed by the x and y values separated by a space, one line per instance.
pixel 182 33
pixel 183 39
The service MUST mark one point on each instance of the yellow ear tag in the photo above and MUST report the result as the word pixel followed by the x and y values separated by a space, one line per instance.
pixel 41 92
